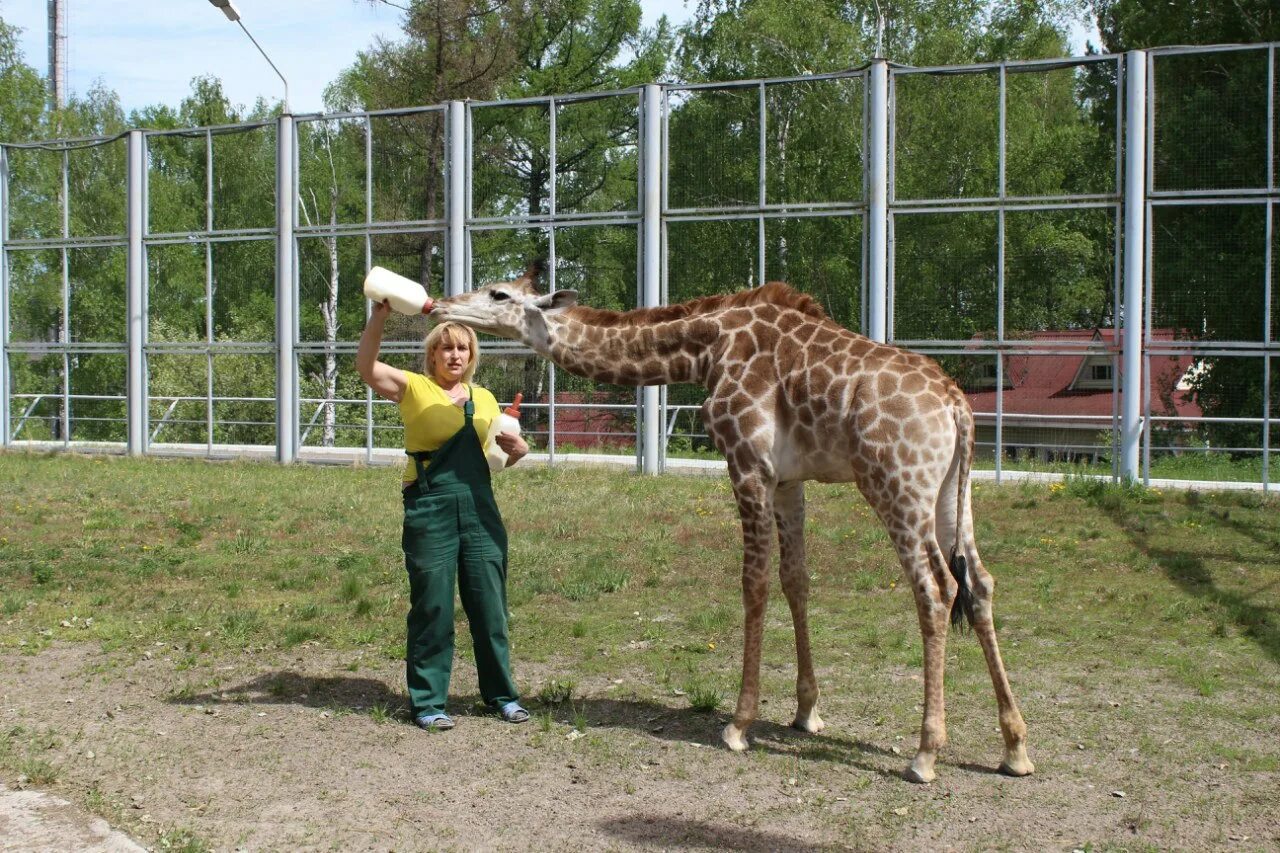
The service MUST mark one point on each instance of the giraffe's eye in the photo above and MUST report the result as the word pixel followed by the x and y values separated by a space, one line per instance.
pixel 499 296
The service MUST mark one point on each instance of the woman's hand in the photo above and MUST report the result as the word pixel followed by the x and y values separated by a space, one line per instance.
pixel 381 310
pixel 513 445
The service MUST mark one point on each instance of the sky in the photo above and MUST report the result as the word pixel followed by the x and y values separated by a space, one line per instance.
pixel 148 51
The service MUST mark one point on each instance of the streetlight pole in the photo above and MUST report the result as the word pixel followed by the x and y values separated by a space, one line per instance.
pixel 233 14
pixel 286 287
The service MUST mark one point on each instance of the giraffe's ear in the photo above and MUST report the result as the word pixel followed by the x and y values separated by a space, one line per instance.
pixel 554 303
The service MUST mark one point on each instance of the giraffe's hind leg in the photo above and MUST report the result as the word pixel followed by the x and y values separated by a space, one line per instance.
pixel 788 510
pixel 1012 726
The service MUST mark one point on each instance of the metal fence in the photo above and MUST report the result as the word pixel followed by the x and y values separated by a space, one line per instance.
pixel 1087 244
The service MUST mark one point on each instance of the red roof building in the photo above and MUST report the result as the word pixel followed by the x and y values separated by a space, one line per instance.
pixel 1055 405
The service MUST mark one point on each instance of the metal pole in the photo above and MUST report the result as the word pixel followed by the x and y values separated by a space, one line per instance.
pixel 878 209
pixel 136 326
pixel 651 268
pixel 286 316
pixel 4 298
pixel 1135 205
pixel 455 281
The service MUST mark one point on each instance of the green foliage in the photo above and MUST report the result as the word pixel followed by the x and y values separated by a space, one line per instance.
pixel 1059 266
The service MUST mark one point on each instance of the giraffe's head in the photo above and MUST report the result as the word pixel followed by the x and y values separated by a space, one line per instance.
pixel 507 309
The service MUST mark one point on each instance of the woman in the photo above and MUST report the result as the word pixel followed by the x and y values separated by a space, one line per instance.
pixel 451 522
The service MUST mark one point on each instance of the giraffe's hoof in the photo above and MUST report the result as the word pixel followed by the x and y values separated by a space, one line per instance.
pixel 921 771
pixel 734 738
pixel 1016 763
pixel 810 723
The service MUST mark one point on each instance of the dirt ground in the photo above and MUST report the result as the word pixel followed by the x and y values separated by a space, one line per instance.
pixel 294 751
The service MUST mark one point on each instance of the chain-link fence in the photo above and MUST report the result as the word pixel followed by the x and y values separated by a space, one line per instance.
pixel 1087 245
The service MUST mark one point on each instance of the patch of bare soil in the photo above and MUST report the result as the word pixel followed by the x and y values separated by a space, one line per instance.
pixel 295 752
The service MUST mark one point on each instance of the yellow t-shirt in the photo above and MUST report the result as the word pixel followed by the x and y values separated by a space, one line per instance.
pixel 430 417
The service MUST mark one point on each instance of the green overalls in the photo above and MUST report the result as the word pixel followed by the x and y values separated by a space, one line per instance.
pixel 452 528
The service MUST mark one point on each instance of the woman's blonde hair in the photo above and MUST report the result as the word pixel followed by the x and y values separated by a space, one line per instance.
pixel 454 333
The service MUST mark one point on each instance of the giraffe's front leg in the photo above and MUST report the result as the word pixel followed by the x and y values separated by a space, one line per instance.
pixel 788 510
pixel 755 501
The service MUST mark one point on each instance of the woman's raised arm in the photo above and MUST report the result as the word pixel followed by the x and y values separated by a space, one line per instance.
pixel 387 382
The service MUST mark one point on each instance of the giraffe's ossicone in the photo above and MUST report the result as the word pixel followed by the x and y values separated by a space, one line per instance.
pixel 793 396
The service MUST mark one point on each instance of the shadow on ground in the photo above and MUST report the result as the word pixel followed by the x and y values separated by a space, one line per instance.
pixel 363 695
pixel 1186 567
pixel 644 830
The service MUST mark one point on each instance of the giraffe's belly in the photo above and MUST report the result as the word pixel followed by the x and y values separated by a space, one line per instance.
pixel 826 465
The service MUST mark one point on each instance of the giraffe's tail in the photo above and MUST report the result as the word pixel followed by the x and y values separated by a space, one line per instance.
pixel 962 606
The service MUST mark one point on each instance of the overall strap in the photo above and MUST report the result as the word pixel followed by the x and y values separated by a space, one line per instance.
pixel 419 457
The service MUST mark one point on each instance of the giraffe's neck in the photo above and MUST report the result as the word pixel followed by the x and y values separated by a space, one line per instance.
pixel 659 353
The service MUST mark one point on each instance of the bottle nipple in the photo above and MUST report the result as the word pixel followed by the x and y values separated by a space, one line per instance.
pixel 514 408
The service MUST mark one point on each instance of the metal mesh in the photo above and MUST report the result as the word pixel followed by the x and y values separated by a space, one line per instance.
pixel 177 180
pixel 35 198
pixel 244 290
pixel 1210 120
pixel 711 256
pixel 821 256
pixel 598 155
pixel 511 160
pixel 1060 131
pixel 1059 272
pixel 176 298
pixel 36 384
pixel 408 166
pixel 96 278
pixel 813 145
pixel 1224 440
pixel 331 303
pixel 177 386
pixel 244 407
pixel 96 184
pixel 333 181
pixel 35 295
pixel 502 254
pixel 975 374
pixel 944 273
pixel 713 145
pixel 1207 274
pixel 97 389
pixel 763 180
pixel 946 140
pixel 244 179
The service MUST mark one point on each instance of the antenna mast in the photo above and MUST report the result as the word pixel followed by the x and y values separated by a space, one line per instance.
pixel 57 53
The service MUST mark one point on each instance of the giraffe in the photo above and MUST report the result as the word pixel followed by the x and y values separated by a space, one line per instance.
pixel 793 396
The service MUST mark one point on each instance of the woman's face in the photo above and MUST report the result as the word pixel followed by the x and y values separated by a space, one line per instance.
pixel 450 360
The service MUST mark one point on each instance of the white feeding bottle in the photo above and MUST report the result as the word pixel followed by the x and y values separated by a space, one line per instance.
pixel 508 421
pixel 404 294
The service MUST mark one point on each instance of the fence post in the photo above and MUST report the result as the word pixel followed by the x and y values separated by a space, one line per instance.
pixel 4 297
pixel 455 280
pixel 1135 210
pixel 135 301
pixel 651 267
pixel 286 309
pixel 878 196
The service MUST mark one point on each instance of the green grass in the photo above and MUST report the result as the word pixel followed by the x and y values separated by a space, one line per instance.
pixel 289 555
pixel 1165 603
